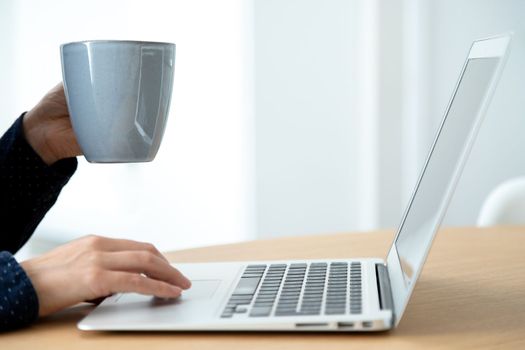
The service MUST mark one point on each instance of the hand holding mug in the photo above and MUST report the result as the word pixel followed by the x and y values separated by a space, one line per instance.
pixel 48 130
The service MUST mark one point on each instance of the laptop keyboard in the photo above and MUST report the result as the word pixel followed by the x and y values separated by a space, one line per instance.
pixel 297 289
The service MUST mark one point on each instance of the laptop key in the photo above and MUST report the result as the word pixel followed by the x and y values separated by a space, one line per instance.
pixel 247 286
pixel 241 309
pixel 261 311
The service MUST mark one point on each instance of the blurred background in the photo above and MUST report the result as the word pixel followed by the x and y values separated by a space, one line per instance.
pixel 288 117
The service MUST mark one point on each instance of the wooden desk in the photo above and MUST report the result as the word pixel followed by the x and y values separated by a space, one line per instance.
pixel 471 295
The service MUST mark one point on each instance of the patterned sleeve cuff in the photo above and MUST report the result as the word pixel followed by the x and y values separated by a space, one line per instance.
pixel 25 174
pixel 18 299
pixel 62 170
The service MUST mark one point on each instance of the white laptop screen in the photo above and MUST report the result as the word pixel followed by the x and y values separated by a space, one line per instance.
pixel 430 198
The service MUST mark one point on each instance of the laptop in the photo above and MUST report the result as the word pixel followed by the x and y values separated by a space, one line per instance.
pixel 339 295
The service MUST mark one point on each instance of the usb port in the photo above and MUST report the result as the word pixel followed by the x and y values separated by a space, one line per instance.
pixel 346 325
pixel 367 324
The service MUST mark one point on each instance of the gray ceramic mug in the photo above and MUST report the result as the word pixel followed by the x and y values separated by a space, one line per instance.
pixel 118 95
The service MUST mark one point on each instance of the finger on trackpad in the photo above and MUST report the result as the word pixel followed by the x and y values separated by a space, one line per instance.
pixel 201 289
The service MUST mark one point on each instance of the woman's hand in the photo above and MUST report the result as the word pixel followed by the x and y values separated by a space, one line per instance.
pixel 48 130
pixel 93 267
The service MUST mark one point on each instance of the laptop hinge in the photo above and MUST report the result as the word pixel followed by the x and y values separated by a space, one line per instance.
pixel 383 288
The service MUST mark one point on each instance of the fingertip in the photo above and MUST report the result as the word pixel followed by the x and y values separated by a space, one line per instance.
pixel 187 284
pixel 176 291
pixel 180 279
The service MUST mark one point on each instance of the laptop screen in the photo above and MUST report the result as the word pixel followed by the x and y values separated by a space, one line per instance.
pixel 425 210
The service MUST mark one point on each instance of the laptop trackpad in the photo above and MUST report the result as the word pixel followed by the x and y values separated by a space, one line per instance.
pixel 200 289
pixel 193 303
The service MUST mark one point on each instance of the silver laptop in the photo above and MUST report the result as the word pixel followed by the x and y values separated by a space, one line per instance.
pixel 333 294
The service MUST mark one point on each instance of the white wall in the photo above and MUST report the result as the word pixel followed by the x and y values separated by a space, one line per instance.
pixel 306 132
pixel 391 130
pixel 196 192
pixel 349 95
pixel 421 47
pixel 7 62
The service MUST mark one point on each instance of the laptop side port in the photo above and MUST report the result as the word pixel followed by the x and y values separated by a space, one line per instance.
pixel 308 325
pixel 345 325
pixel 368 324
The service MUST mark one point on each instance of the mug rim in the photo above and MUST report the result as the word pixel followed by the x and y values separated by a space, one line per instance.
pixel 109 41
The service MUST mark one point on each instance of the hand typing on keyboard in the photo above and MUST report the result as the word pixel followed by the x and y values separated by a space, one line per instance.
pixel 93 267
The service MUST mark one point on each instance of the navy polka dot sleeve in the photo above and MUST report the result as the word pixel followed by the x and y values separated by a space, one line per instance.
pixel 28 189
pixel 18 300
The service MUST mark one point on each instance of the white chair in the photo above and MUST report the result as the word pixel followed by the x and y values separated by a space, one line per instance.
pixel 505 205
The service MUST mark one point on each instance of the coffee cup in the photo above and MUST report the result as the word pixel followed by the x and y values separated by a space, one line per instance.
pixel 118 95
